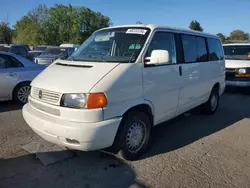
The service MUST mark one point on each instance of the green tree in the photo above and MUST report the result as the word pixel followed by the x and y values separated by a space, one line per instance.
pixel 195 25
pixel 238 35
pixel 5 33
pixel 29 29
pixel 222 37
pixel 59 24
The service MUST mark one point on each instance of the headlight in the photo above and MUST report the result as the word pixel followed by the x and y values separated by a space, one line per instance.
pixel 88 101
pixel 242 71
pixel 74 100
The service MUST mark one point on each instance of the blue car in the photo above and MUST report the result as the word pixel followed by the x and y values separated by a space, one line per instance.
pixel 16 73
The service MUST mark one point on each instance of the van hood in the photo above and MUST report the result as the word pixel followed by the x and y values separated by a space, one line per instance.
pixel 71 76
pixel 237 63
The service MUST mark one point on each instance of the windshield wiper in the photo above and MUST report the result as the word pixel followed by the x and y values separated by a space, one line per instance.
pixel 96 57
pixel 88 56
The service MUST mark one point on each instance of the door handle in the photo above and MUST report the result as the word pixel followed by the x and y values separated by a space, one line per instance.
pixel 180 70
pixel 12 74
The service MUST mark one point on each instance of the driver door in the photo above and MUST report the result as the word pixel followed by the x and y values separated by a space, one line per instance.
pixel 162 82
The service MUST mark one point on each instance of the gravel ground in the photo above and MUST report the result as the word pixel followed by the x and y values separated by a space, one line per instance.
pixel 190 151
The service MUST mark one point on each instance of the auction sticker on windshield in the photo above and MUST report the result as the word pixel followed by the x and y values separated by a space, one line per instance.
pixel 136 31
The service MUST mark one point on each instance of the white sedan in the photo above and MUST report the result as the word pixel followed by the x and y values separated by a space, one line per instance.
pixel 16 73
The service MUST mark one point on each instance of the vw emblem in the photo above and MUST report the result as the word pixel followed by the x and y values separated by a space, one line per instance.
pixel 40 94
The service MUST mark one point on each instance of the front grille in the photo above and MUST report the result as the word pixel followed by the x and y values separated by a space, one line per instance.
pixel 45 95
pixel 230 75
pixel 230 70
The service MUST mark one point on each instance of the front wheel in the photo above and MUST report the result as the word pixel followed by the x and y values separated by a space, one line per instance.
pixel 212 104
pixel 134 135
pixel 21 93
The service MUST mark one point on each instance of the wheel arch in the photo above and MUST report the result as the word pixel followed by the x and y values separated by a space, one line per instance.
pixel 17 85
pixel 146 108
pixel 217 86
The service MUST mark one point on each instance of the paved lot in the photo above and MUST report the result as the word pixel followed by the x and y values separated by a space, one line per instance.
pixel 189 151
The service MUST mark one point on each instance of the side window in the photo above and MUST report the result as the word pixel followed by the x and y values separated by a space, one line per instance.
pixel 195 49
pixel 189 48
pixel 14 49
pixel 202 49
pixel 15 62
pixel 5 62
pixel 22 50
pixel 9 62
pixel 163 41
pixel 215 49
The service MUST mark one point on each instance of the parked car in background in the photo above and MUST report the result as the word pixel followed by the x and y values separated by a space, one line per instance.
pixel 16 73
pixel 33 54
pixel 75 46
pixel 18 49
pixel 27 47
pixel 53 53
pixel 41 47
pixel 142 76
pixel 237 64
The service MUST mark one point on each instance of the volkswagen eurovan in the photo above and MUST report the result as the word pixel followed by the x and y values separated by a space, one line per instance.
pixel 123 81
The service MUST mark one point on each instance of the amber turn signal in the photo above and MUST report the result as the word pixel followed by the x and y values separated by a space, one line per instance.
pixel 96 100
pixel 242 75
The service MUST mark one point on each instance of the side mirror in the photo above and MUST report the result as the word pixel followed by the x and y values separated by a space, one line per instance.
pixel 158 57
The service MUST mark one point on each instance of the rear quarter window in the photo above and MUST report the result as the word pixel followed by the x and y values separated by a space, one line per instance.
pixel 215 49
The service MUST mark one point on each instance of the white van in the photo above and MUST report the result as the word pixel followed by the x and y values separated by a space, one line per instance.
pixel 123 81
pixel 237 57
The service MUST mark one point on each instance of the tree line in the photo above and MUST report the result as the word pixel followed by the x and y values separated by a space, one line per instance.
pixel 71 24
pixel 236 35
pixel 54 26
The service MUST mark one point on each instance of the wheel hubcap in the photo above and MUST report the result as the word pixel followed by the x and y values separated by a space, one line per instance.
pixel 214 102
pixel 136 136
pixel 23 94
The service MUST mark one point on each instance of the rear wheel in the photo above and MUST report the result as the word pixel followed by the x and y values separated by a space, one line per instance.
pixel 21 93
pixel 134 135
pixel 212 104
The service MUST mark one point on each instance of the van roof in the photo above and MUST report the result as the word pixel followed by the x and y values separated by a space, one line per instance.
pixel 237 44
pixel 153 26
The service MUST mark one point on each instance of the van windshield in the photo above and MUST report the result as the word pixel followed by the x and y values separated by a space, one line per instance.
pixel 237 52
pixel 112 45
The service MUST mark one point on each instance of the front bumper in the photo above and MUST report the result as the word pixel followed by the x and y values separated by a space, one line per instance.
pixel 86 136
pixel 238 83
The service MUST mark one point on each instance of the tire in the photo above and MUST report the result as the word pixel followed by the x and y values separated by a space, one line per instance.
pixel 133 136
pixel 212 104
pixel 21 93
